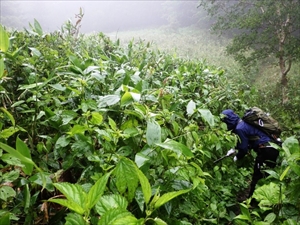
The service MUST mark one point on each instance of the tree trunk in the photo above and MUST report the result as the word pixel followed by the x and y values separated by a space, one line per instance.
pixel 284 80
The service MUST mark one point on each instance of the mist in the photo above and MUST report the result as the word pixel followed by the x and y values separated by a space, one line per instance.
pixel 99 16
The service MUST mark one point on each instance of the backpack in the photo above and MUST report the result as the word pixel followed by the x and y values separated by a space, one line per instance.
pixel 263 121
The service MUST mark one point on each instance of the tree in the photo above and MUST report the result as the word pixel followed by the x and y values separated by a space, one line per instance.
pixel 260 29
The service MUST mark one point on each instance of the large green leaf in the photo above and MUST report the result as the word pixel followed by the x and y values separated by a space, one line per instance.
pixel 108 100
pixel 268 195
pixel 76 196
pixel 245 212
pixel 75 219
pixel 177 147
pixel 17 154
pixel 6 192
pixel 5 219
pixel 126 177
pixel 6 133
pixel 168 197
pixel 128 220
pixel 153 132
pixel 69 204
pixel 290 146
pixel 146 187
pixel 4 43
pixel 207 116
pixel 113 215
pixel 96 191
pixel 97 118
pixel 24 150
pixel 77 129
pixel 108 202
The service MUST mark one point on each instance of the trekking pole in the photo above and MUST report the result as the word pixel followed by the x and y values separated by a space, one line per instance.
pixel 221 158
pixel 225 156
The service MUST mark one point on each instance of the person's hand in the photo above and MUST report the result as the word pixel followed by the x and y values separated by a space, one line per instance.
pixel 234 158
pixel 230 152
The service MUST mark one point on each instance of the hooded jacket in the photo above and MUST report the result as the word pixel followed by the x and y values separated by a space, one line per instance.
pixel 246 132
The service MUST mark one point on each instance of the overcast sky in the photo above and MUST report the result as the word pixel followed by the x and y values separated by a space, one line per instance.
pixel 99 15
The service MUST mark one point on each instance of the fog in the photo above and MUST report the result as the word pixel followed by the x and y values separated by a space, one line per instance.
pixel 99 16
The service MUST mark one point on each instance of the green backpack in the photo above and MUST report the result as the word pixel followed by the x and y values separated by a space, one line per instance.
pixel 263 121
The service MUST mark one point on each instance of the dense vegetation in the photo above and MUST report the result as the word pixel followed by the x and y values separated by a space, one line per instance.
pixel 96 133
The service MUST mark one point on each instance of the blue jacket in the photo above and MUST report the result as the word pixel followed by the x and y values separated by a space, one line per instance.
pixel 245 132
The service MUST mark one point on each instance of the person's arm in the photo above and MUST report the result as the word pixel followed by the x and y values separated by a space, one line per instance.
pixel 242 145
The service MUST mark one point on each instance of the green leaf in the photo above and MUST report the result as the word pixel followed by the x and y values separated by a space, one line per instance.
pixel 126 177
pixel 42 179
pixel 5 219
pixel 284 173
pixel 75 219
pixel 2 66
pixel 141 159
pixel 153 132
pixel 10 176
pixel 11 118
pixel 27 198
pixel 69 204
pixel 38 27
pixel 58 87
pixel 112 124
pixel 109 202
pixel 177 147
pixel 4 43
pixel 128 220
pixel 159 221
pixel 23 149
pixel 242 217
pixel 6 192
pixel 96 191
pixel 295 168
pixel 130 97
pixel 168 197
pixel 270 218
pixel 112 215
pixel 30 86
pixel 97 118
pixel 268 195
pixel 35 52
pixel 17 154
pixel 146 187
pixel 190 109
pixel 245 212
pixel 126 99
pixel 290 146
pixel 6 133
pixel 76 196
pixel 207 116
pixel 67 116
pixel 108 100
pixel 77 129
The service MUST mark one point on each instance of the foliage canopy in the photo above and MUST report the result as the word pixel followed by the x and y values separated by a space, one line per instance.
pixel 261 30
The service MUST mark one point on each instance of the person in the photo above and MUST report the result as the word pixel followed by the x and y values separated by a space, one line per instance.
pixel 250 137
